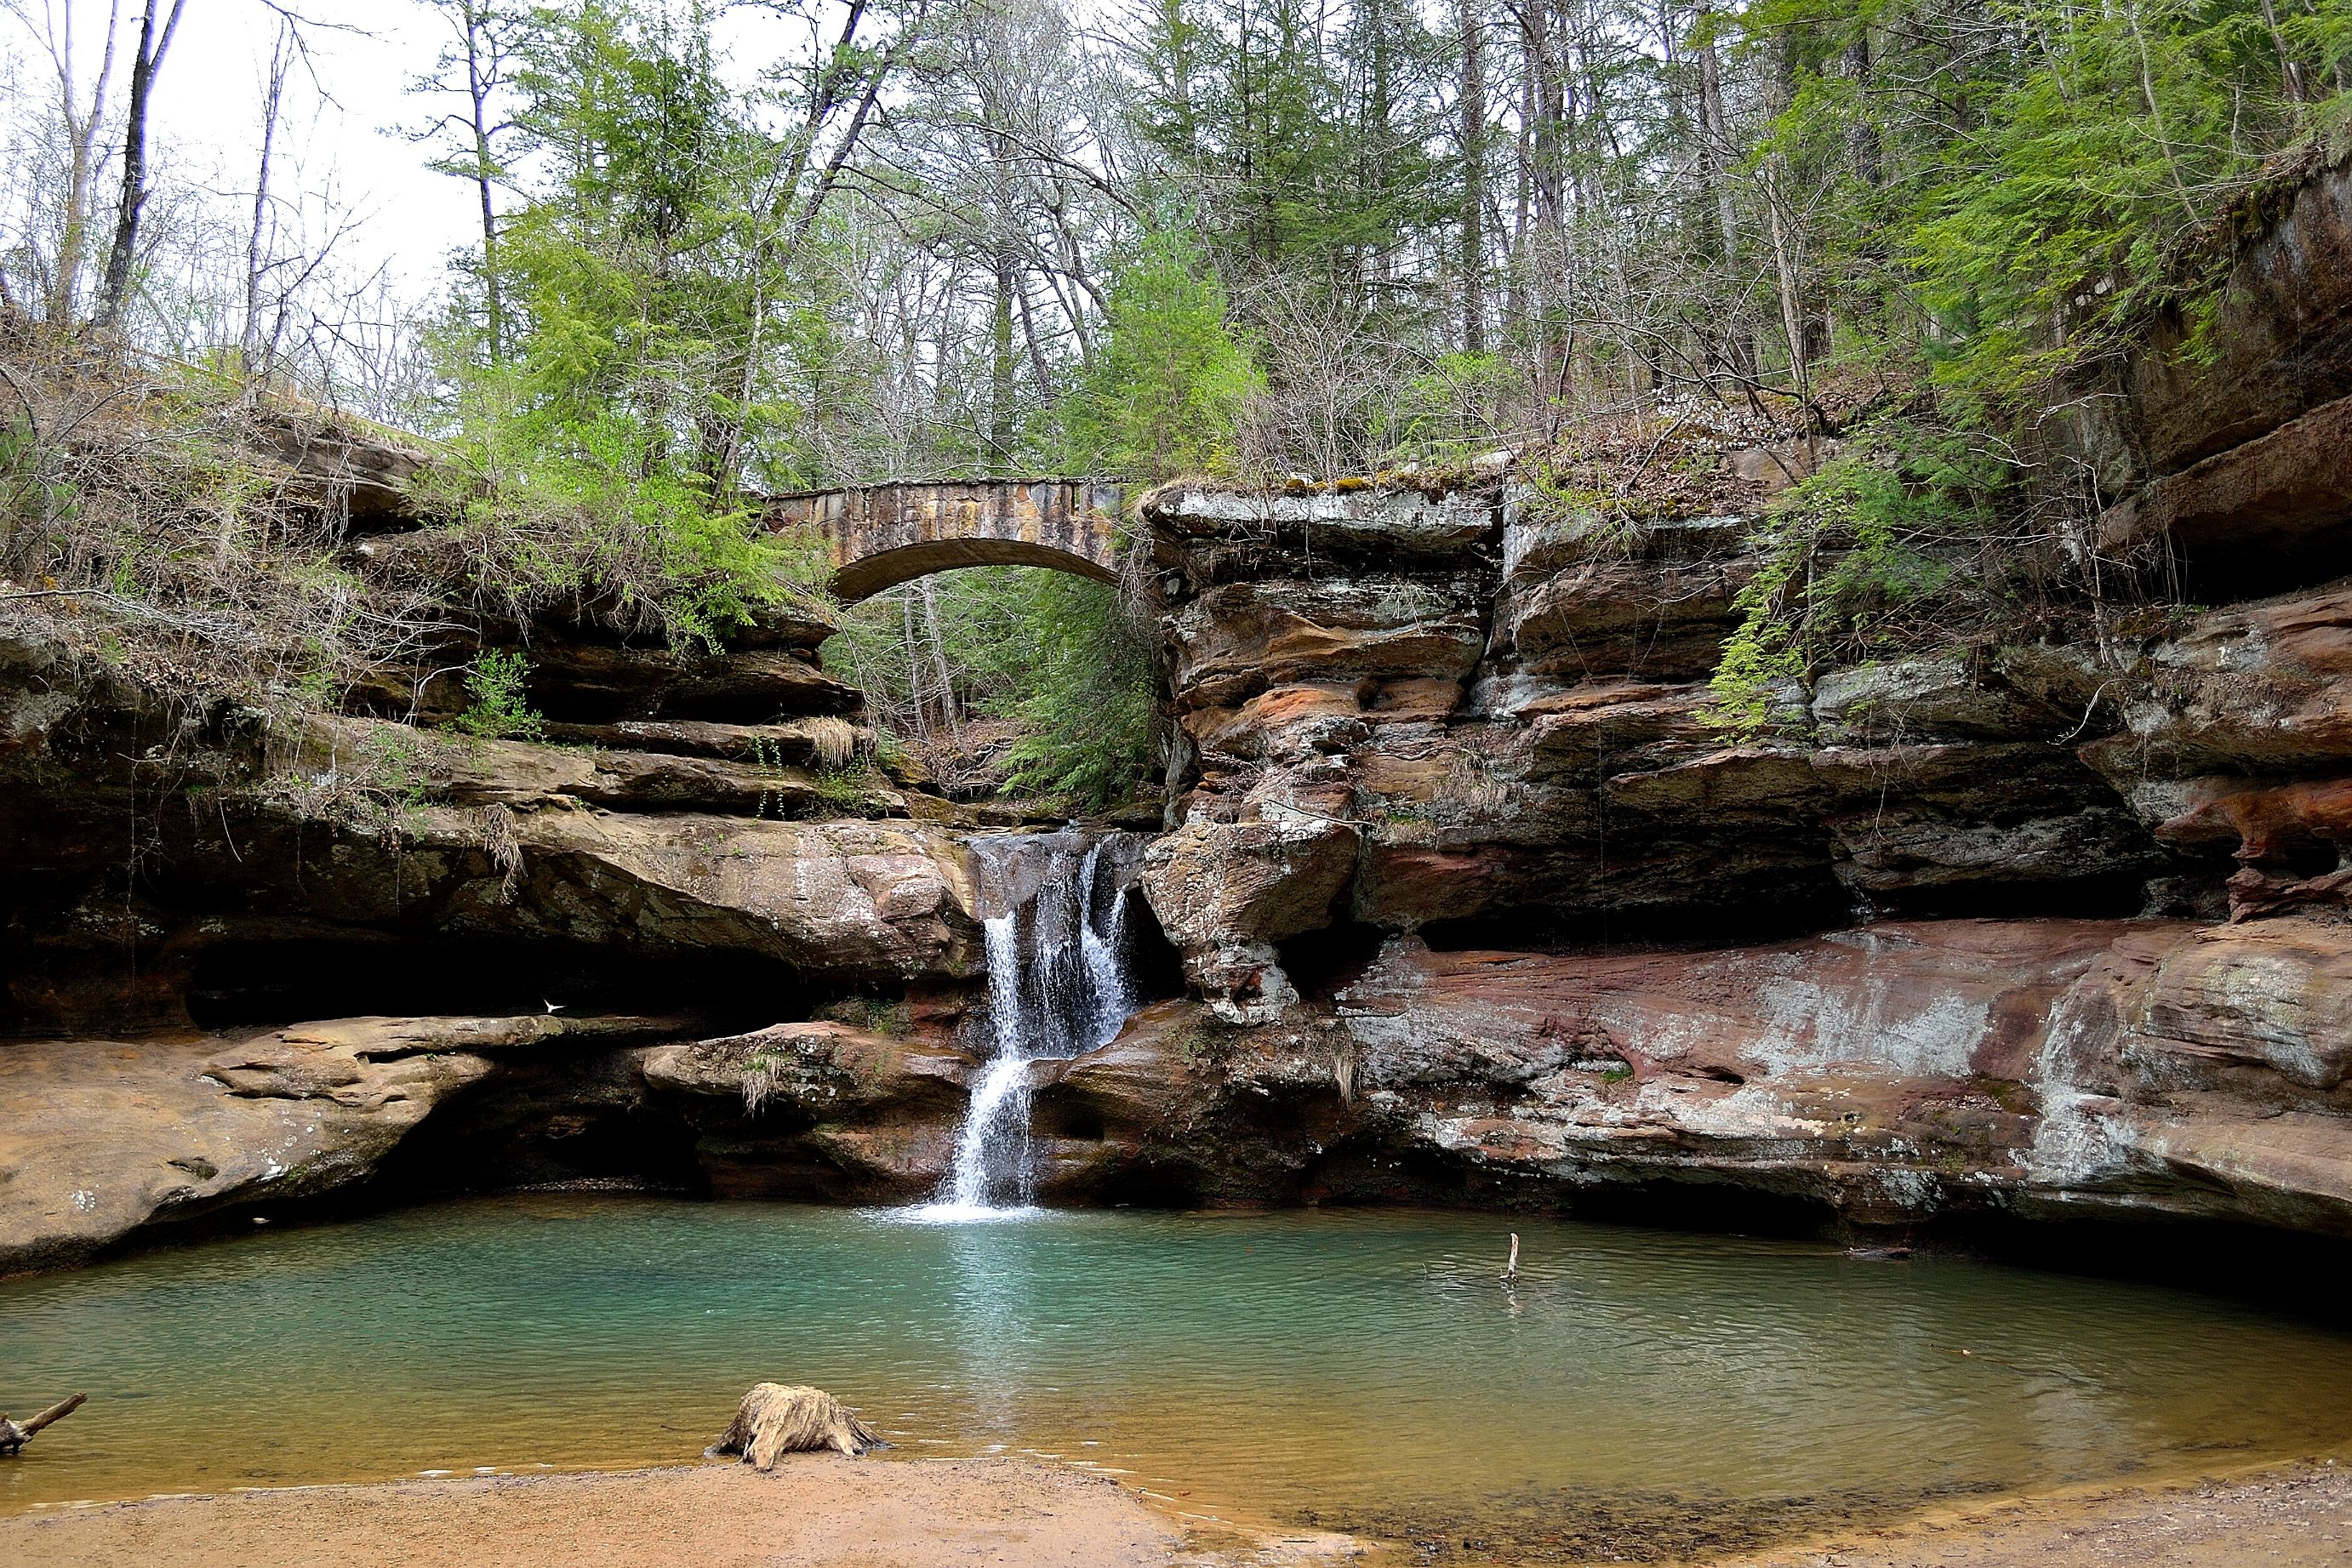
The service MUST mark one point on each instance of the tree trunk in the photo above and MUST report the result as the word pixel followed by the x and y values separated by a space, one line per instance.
pixel 144 66
pixel 1474 180
pixel 2291 75
pixel 12 1437
pixel 1785 265
pixel 939 660
pixel 250 348
pixel 1862 137
pixel 1714 153
pixel 82 132
pixel 1000 349
pixel 477 93
pixel 774 1420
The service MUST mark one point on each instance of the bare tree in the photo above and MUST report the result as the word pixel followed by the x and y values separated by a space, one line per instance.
pixel 281 57
pixel 145 65
pixel 476 65
pixel 81 123
pixel 1330 403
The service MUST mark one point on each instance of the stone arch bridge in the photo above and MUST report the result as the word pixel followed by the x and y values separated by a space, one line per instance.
pixel 880 536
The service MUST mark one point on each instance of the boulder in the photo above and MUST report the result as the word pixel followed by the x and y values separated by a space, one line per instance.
pixel 102 1140
pixel 1225 892
pixel 817 1108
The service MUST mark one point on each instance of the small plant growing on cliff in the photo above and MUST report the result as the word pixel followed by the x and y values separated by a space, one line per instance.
pixel 394 762
pixel 769 757
pixel 847 790
pixel 1857 563
pixel 499 711
pixel 762 1070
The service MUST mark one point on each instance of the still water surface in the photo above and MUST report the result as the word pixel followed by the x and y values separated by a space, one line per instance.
pixel 1361 1370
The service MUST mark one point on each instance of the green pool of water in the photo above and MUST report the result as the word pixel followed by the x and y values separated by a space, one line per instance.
pixel 1356 1370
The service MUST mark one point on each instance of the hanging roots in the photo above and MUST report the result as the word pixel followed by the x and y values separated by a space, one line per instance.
pixel 775 1419
pixel 498 841
pixel 833 741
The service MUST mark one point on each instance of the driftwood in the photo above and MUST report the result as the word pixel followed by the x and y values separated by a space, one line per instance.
pixel 12 1438
pixel 775 1419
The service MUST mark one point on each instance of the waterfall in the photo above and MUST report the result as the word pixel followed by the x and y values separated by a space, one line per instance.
pixel 1059 984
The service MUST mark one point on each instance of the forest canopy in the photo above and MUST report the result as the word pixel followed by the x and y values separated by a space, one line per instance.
pixel 1255 238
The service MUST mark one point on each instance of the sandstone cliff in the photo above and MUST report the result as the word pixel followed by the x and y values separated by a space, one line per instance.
pixel 1471 883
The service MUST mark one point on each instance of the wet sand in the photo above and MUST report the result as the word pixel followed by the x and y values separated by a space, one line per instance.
pixel 2294 1518
pixel 819 1511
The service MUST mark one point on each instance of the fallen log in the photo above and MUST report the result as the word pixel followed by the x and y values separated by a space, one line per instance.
pixel 775 1419
pixel 12 1437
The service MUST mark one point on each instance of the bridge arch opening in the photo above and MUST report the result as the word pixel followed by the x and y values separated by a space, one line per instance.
pixel 888 569
pixel 1033 677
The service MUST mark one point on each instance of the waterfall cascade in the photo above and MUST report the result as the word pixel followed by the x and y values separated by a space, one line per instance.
pixel 1060 983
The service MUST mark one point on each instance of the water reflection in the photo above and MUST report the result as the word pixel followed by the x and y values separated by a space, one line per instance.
pixel 1351 1367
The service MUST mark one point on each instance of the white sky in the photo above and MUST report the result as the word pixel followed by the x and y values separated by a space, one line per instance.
pixel 206 113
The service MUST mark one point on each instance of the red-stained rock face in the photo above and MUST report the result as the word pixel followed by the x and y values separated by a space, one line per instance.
pixel 1901 1075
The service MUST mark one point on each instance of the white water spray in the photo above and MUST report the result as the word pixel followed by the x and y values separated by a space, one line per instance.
pixel 1059 985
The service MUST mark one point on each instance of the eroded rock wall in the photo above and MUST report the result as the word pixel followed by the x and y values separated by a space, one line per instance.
pixel 696 846
pixel 1477 892
pixel 1905 1076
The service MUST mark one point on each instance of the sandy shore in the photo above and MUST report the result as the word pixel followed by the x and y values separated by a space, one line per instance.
pixel 2295 1518
pixel 815 1512
pixel 818 1511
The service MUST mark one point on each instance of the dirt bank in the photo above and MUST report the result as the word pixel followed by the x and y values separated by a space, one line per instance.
pixel 2299 1518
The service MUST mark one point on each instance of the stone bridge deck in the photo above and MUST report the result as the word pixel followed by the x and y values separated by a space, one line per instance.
pixel 880 536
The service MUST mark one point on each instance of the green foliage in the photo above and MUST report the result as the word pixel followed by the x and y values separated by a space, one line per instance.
pixel 2035 197
pixel 557 503
pixel 499 710
pixel 1160 395
pixel 1311 126
pixel 1055 659
pixel 651 333
pixel 1452 410
pixel 849 790
pixel 875 1015
pixel 768 756
pixel 1857 560
pixel 1087 700
pixel 394 762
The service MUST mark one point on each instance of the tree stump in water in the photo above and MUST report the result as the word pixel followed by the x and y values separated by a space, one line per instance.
pixel 12 1438
pixel 776 1419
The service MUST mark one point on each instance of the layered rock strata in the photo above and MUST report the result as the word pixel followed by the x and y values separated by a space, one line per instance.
pixel 2221 447
pixel 1474 887
pixel 1462 843
pixel 1897 1077
pixel 109 1141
